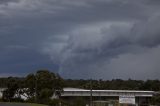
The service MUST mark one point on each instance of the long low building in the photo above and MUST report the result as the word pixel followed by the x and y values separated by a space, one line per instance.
pixel 130 97
pixel 84 92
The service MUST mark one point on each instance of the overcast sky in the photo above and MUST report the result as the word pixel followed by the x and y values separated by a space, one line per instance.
pixel 102 39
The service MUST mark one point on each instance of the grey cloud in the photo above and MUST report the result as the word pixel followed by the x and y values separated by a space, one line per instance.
pixel 136 66
pixel 97 52
pixel 7 1
pixel 147 33
pixel 80 37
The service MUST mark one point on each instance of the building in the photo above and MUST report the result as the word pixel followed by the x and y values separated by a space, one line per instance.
pixel 110 97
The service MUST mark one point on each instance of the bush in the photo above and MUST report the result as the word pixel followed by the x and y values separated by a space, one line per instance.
pixel 17 100
pixel 57 102
pixel 53 102
pixel 79 101
pixel 1 100
pixel 31 100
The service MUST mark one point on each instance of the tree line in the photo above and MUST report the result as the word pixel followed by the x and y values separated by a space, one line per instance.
pixel 39 87
pixel 115 84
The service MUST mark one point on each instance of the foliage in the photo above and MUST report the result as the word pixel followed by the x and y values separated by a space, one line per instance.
pixel 115 84
pixel 59 102
pixel 21 104
pixel 30 86
pixel 12 88
pixel 40 86
pixel 155 100
pixel 79 101
pixel 54 102
pixel 45 95
pixel 37 87
pixel 44 85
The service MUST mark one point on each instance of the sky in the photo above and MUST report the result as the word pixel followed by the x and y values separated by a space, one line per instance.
pixel 81 39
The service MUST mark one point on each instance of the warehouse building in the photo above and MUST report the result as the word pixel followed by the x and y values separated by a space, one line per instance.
pixel 109 97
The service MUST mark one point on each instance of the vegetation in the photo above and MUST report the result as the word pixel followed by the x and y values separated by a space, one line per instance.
pixel 39 87
pixel 29 104
pixel 115 84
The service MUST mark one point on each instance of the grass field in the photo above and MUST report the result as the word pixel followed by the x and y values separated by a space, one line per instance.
pixel 19 104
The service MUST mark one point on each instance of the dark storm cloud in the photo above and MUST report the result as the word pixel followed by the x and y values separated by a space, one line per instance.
pixel 81 38
pixel 111 48
pixel 6 1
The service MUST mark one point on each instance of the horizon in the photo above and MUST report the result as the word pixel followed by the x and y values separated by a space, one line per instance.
pixel 85 79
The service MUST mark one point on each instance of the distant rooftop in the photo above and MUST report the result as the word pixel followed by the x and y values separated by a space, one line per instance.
pixel 86 92
pixel 73 89
pixel 79 89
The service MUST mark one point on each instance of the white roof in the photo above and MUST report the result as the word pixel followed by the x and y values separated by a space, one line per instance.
pixel 85 90
pixel 73 89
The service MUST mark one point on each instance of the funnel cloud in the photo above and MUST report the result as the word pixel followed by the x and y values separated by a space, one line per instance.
pixel 81 39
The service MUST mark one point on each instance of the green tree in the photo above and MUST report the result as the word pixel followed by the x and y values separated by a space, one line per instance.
pixel 44 85
pixel 58 85
pixel 45 95
pixel 12 89
pixel 30 86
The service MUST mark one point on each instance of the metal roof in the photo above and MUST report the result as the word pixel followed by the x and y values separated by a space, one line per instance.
pixel 79 89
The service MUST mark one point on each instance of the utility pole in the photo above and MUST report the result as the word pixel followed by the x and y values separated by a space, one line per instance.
pixel 35 88
pixel 91 93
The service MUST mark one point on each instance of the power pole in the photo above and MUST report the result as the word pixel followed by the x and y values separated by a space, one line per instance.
pixel 35 89
pixel 91 93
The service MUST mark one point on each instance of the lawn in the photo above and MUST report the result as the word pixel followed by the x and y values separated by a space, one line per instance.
pixel 20 104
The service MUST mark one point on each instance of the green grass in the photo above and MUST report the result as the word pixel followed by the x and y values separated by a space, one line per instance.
pixel 29 104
